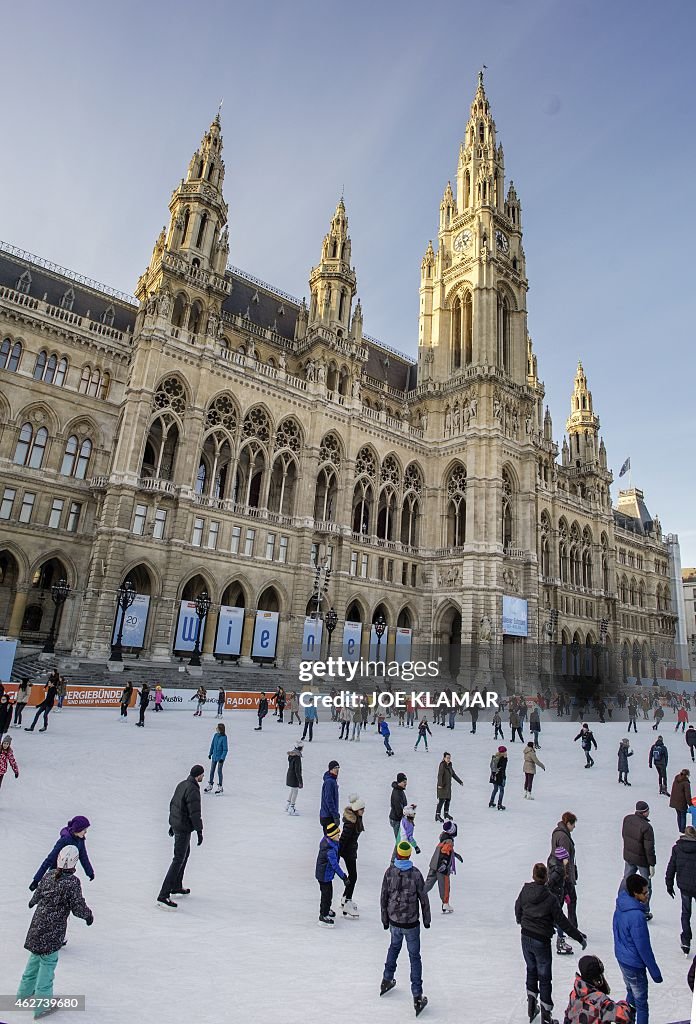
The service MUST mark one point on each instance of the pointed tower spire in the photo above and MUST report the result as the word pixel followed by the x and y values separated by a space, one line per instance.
pixel 333 282
pixel 582 425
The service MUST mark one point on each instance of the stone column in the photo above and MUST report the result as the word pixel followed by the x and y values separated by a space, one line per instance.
pixel 208 638
pixel 18 609
pixel 247 636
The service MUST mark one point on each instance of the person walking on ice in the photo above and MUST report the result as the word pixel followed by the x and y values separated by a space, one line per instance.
pixel 293 778
pixel 443 865
pixel 348 849
pixel 184 819
pixel 22 699
pixel 403 898
pixel 216 756
pixel 159 697
pixel 659 758
pixel 445 774
pixel 7 758
pixel 220 701
pixel 623 756
pixel 327 867
pixel 125 699
pixel 408 825
pixel 423 731
pixel 587 742
pixel 529 766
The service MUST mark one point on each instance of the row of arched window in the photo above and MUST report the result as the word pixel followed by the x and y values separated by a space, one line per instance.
pixel 52 368
pixel 30 451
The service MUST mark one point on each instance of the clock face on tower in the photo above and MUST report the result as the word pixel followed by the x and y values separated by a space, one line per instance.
pixel 501 241
pixel 462 241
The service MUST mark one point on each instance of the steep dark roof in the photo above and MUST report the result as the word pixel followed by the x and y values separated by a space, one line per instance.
pixel 54 283
pixel 260 304
pixel 398 368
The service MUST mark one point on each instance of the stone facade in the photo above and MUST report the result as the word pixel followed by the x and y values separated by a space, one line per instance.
pixel 214 433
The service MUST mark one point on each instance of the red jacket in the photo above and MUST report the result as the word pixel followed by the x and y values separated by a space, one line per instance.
pixel 6 756
pixel 588 1005
pixel 682 715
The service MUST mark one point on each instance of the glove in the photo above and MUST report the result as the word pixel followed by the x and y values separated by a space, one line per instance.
pixel 583 941
pixel 426 925
pixel 210 757
pixel 171 831
pixel 417 849
pixel 91 878
pixel 652 870
pixel 386 927
pixel 89 920
pixel 34 885
pixel 671 892
pixel 200 838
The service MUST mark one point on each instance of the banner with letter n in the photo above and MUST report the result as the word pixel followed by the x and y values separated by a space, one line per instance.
pixel 311 638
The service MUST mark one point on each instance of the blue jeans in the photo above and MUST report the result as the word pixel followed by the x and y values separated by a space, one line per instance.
pixel 412 936
pixel 636 979
pixel 386 744
pixel 499 791
pixel 537 957
pixel 681 820
pixel 213 765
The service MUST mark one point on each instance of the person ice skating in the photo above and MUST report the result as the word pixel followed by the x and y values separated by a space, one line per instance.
pixel 498 777
pixel 385 732
pixel 538 912
pixel 280 702
pixel 403 898
pixel 659 758
pixel 535 726
pixel 293 707
pixel 397 804
pixel 327 868
pixel 143 704
pixel 680 796
pixel 445 774
pixel 344 717
pixel 682 719
pixel 353 826
pixel 443 865
pixel 689 736
pixel 58 895
pixel 262 712
pixel 497 726
pixel 639 847
pixel 44 708
pixel 423 733
pixel 72 835
pixel 220 701
pixel 632 947
pixel 588 741
pixel 682 870
pixel 562 836
pixel 329 810
pixel 201 695
pixel 410 714
pixel 216 756
pixel 184 819
pixel 159 697
pixel 623 755
pixel 632 715
pixel 515 724
pixel 558 866
pixel 407 827
pixel 310 720
pixel 474 712
pixel 5 713
pixel 658 715
pixel 529 767
pixel 125 699
pixel 22 699
pixel 61 692
pixel 589 1001
pixel 293 778
pixel 356 717
pixel 7 758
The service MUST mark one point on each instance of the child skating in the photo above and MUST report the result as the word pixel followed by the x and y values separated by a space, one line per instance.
pixel 216 756
pixel 443 865
pixel 423 732
pixel 327 868
pixel 7 758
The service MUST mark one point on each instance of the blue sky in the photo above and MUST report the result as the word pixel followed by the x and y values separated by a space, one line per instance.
pixel 594 104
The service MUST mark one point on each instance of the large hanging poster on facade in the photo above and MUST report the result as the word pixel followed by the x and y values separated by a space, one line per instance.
pixel 402 647
pixel 228 639
pixel 265 635
pixel 311 638
pixel 186 627
pixel 134 622
pixel 514 616
pixel 352 635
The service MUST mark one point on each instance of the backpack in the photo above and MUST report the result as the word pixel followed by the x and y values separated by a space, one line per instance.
pixel 494 767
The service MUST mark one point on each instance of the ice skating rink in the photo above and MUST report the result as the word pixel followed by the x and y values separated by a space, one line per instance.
pixel 245 945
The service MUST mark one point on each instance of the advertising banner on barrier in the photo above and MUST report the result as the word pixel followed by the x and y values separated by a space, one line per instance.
pixel 228 639
pixel 186 627
pixel 265 635
pixel 352 634
pixel 402 647
pixel 311 638
pixel 134 622
pixel 86 696
pixel 77 695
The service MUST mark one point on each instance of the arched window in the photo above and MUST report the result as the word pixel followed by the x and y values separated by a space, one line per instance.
pixel 50 371
pixel 201 230
pixel 104 386
pixel 61 371
pixel 69 456
pixel 67 300
pixel 185 226
pixel 468 330
pixel 40 365
pixel 31 446
pixel 507 518
pixel 504 333
pixel 201 478
pixel 10 355
pixel 107 317
pixel 456 506
pixel 83 459
pixel 84 379
pixel 457 334
pixel 24 283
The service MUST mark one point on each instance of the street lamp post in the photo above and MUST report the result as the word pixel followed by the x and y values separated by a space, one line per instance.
pixel 125 596
pixel 59 595
pixel 380 626
pixel 653 658
pixel 203 603
pixel 330 621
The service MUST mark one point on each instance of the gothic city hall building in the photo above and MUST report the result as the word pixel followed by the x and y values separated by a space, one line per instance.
pixel 215 434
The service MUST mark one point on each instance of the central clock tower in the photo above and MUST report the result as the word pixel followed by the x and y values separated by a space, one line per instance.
pixel 473 284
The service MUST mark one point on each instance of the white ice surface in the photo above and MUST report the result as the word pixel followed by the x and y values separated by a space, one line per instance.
pixel 245 945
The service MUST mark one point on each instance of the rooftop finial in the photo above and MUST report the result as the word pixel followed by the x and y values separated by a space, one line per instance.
pixel 219 111
pixel 483 68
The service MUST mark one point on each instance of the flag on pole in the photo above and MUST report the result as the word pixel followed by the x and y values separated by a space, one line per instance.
pixel 626 466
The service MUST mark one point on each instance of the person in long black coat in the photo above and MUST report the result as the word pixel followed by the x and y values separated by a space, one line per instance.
pixel 144 702
pixel 184 818
pixel 293 779
pixel 5 713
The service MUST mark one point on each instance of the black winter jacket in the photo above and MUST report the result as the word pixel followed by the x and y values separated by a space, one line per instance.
pixel 403 891
pixel 263 708
pixel 537 911
pixel 638 841
pixel 294 776
pixel 144 697
pixel 682 866
pixel 58 895
pixel 185 807
pixel 659 755
pixel 350 833
pixel 398 802
pixel 561 837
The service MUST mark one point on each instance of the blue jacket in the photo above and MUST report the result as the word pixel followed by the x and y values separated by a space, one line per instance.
pixel 631 937
pixel 329 797
pixel 327 861
pixel 310 714
pixel 384 729
pixel 66 839
pixel 218 747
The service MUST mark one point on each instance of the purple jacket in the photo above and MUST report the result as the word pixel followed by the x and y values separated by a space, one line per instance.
pixel 66 839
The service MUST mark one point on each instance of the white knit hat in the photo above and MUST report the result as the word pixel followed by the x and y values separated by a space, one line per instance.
pixel 410 811
pixel 68 857
pixel 356 802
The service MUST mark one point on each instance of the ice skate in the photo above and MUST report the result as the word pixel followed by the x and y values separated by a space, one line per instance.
pixel 219 789
pixel 448 816
pixel 447 909
pixel 546 1017
pixel 532 1007
pixel 386 986
pixel 350 910
pixel 529 796
pixel 181 892
pixel 562 948
pixel 438 817
pixel 291 810
pixel 165 903
pixel 502 807
pixel 526 795
pixel 685 949
pixel 45 1012
pixel 326 922
pixel 419 1004
pixel 208 787
pixel 332 913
